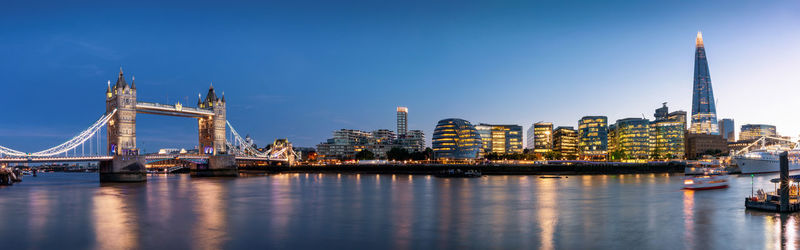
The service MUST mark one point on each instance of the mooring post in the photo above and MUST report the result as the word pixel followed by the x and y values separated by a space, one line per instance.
pixel 784 191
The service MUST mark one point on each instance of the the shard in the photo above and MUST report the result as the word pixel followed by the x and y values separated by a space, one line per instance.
pixel 704 110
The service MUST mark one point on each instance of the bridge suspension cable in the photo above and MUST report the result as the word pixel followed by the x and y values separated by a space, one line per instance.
pixel 70 144
pixel 245 147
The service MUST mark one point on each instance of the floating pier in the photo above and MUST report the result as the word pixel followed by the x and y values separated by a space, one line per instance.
pixel 782 202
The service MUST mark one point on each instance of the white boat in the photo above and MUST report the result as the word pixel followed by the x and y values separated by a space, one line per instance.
pixel 701 167
pixel 710 180
pixel 765 161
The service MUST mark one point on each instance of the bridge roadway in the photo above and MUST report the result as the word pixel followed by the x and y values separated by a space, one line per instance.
pixel 103 157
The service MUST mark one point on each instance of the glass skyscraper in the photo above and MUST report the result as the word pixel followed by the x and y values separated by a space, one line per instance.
pixel 704 110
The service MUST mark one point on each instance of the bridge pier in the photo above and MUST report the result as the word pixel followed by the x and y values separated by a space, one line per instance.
pixel 123 168
pixel 223 165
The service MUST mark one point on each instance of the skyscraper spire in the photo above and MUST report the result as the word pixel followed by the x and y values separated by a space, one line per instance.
pixel 699 41
pixel 704 109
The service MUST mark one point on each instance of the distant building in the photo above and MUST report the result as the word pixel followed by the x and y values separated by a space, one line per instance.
pixel 613 140
pixel 678 116
pixel 500 138
pixel 593 137
pixel 413 141
pixel 632 136
pixel 455 139
pixel 726 129
pixel 402 120
pixel 667 134
pixel 704 110
pixel 344 144
pixel 698 145
pixel 755 131
pixel 565 142
pixel 543 137
pixel 530 138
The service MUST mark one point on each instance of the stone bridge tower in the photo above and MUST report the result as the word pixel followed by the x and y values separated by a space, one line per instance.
pixel 212 129
pixel 126 165
pixel 122 126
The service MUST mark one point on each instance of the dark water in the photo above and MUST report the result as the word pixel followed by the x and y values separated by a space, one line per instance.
pixel 331 211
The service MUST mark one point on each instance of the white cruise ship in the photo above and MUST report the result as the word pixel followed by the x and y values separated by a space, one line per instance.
pixel 766 161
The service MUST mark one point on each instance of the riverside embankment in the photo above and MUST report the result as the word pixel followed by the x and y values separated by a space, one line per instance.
pixel 487 169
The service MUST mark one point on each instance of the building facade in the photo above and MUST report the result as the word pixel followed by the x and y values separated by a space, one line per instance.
pixel 755 131
pixel 698 145
pixel 667 134
pixel 565 142
pixel 633 138
pixel 500 139
pixel 530 141
pixel 593 137
pixel 727 130
pixel 455 139
pixel 543 137
pixel 402 120
pixel 704 110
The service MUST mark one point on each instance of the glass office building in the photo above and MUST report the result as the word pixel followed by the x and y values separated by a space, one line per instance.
pixel 543 137
pixel 500 138
pixel 726 129
pixel 456 139
pixel 667 134
pixel 565 142
pixel 633 137
pixel 593 137
pixel 755 131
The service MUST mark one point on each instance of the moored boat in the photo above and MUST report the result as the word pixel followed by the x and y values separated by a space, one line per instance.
pixel 459 173
pixel 765 161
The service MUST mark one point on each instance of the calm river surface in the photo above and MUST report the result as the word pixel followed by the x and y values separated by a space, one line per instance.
pixel 367 211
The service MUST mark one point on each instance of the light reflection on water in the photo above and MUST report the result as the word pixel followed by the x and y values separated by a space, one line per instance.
pixel 289 211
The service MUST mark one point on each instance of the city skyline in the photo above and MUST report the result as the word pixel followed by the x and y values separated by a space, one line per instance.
pixel 596 75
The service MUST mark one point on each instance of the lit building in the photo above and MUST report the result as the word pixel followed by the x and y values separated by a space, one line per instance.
pixel 755 131
pixel 667 134
pixel 413 141
pixel 678 116
pixel 632 137
pixel 613 140
pixel 500 138
pixel 455 139
pixel 344 144
pixel 704 110
pixel 593 137
pixel 565 142
pixel 726 129
pixel 543 137
pixel 402 120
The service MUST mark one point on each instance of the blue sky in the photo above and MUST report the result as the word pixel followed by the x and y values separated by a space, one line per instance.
pixel 301 69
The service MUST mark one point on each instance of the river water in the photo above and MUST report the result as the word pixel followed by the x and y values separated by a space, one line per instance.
pixel 367 211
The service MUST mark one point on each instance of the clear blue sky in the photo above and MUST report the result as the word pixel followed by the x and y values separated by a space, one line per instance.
pixel 301 69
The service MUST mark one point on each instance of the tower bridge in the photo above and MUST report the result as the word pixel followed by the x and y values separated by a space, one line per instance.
pixel 121 161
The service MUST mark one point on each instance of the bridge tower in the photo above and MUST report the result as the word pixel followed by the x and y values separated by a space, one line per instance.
pixel 122 126
pixel 212 128
pixel 127 165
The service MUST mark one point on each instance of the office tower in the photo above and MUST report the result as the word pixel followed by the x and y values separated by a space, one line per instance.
pixel 704 110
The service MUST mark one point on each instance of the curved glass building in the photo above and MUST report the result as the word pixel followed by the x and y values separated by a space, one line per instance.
pixel 455 139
